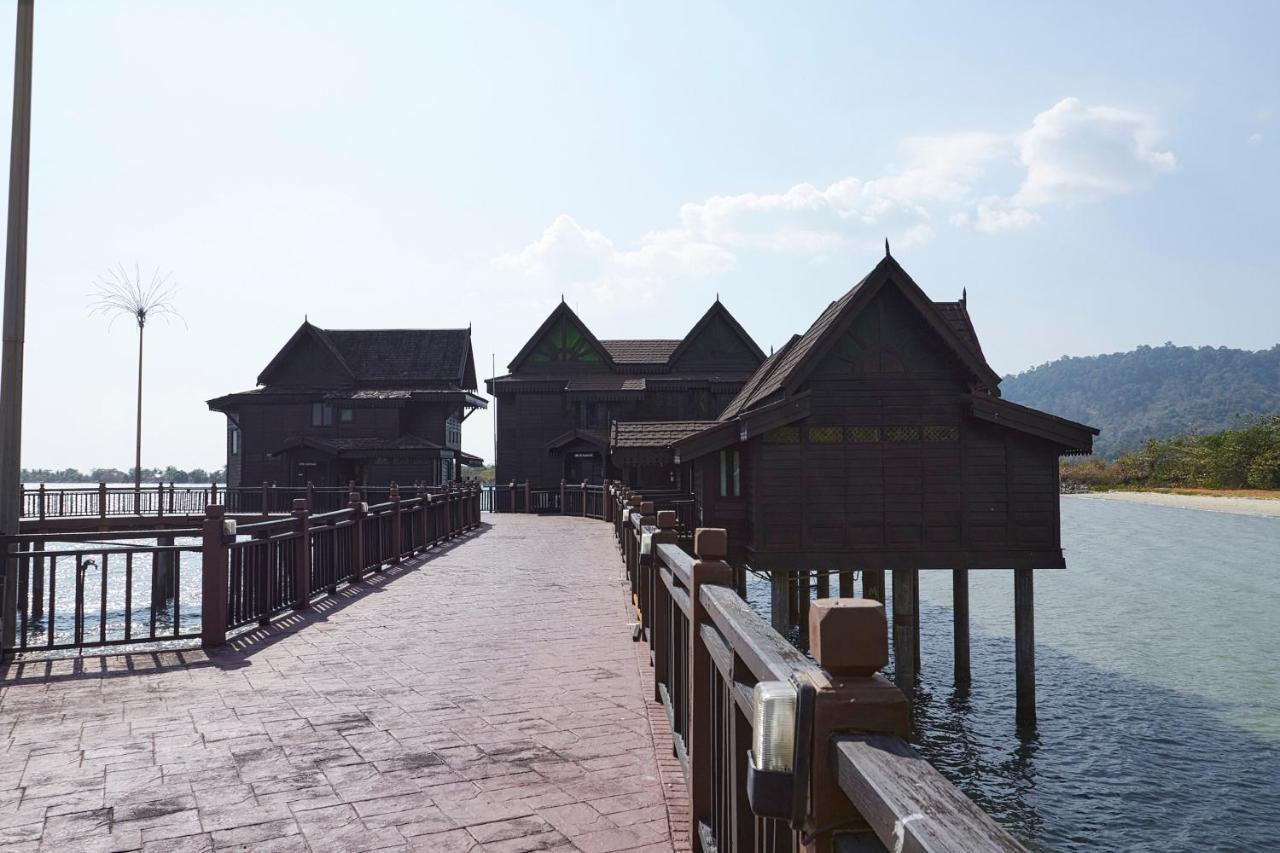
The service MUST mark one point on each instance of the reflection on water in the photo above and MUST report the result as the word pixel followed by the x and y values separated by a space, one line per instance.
pixel 1158 674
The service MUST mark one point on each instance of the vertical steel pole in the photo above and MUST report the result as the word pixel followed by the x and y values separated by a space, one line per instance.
pixel 15 309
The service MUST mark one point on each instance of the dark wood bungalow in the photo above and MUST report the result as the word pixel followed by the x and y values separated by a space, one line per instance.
pixel 565 388
pixel 878 440
pixel 373 406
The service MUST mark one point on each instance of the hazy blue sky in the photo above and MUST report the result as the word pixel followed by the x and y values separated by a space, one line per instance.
pixel 1098 175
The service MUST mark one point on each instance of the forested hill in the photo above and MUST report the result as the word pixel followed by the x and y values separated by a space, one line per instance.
pixel 1152 392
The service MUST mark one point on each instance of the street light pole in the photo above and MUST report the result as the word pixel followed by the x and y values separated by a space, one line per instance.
pixel 15 310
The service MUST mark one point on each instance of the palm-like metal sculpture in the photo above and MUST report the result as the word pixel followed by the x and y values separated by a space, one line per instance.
pixel 119 294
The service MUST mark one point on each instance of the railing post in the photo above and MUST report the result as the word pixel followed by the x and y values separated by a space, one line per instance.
pixel 357 536
pixel 664 535
pixel 302 555
pixel 562 506
pixel 102 499
pixel 41 509
pixel 710 546
pixel 160 500
pixel 213 492
pixel 397 530
pixel 848 638
pixel 528 497
pixel 213 578
pixel 584 498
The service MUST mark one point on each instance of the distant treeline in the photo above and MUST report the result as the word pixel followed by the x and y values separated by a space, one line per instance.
pixel 1244 457
pixel 34 476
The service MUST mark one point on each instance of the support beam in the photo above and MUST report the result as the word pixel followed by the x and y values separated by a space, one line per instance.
pixel 873 585
pixel 846 584
pixel 904 629
pixel 960 616
pixel 915 615
pixel 824 587
pixel 1024 634
pixel 779 600
pixel 802 606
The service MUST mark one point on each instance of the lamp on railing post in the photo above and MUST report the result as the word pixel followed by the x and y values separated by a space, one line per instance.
pixel 302 554
pixel 397 529
pixel 358 510
pixel 710 546
pixel 217 532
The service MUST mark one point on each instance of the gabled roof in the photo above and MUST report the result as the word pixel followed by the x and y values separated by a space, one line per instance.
pixel 1072 437
pixel 798 359
pixel 599 438
pixel 659 353
pixel 560 311
pixel 425 357
pixel 717 311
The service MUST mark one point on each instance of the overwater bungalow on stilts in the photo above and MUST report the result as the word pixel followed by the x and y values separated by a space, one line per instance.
pixel 878 442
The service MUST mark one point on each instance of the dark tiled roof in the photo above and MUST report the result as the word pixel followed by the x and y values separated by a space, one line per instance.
pixel 957 317
pixel 653 433
pixel 654 351
pixel 381 355
pixel 748 392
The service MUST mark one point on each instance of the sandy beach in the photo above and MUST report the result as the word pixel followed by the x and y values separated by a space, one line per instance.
pixel 1208 503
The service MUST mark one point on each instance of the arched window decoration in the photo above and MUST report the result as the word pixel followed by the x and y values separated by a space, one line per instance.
pixel 565 342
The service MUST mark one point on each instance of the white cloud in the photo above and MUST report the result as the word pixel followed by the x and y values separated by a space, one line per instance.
pixel 988 181
pixel 1255 139
pixel 571 255
pixel 1078 153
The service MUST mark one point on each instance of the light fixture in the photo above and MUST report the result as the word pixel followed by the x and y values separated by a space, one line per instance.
pixel 229 527
pixel 773 729
pixel 778 762
pixel 646 544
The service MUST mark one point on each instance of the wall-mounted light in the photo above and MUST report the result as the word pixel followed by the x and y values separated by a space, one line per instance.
pixel 229 527
pixel 646 544
pixel 778 763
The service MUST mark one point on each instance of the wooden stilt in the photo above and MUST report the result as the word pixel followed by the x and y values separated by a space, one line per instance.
pixel 802 606
pixel 915 616
pixel 904 653
pixel 740 581
pixel 846 584
pixel 960 616
pixel 873 585
pixel 1024 633
pixel 779 600
pixel 824 586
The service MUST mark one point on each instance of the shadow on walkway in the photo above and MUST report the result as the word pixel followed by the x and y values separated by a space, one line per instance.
pixel 97 663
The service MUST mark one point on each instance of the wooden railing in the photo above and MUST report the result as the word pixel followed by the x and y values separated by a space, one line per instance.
pixel 83 592
pixel 160 500
pixel 581 499
pixel 856 783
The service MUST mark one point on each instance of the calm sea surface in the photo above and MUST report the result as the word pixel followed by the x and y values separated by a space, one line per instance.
pixel 1158 675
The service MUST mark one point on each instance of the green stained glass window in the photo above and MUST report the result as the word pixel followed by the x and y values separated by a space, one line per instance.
pixel 565 342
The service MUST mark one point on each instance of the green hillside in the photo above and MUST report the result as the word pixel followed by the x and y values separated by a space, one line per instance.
pixel 1153 392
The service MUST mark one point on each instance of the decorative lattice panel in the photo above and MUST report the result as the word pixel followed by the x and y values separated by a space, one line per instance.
pixel 902 433
pixel 864 434
pixel 783 435
pixel 826 434
pixel 941 433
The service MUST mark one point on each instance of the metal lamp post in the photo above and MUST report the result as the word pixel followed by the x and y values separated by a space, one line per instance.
pixel 15 309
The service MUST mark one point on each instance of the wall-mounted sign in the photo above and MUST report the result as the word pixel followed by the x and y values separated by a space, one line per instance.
pixel 584 456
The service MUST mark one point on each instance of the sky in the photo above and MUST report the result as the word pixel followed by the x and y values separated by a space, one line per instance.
pixel 1096 175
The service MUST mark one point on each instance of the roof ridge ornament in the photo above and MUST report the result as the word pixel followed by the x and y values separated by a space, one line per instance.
pixel 886 248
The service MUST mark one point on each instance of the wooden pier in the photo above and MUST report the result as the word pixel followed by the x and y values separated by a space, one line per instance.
pixel 428 681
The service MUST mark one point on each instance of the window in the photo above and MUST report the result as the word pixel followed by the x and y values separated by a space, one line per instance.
pixel 452 432
pixel 321 414
pixel 235 440
pixel 346 416
pixel 730 474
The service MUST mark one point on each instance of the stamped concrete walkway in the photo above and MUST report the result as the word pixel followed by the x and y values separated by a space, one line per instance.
pixel 487 698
